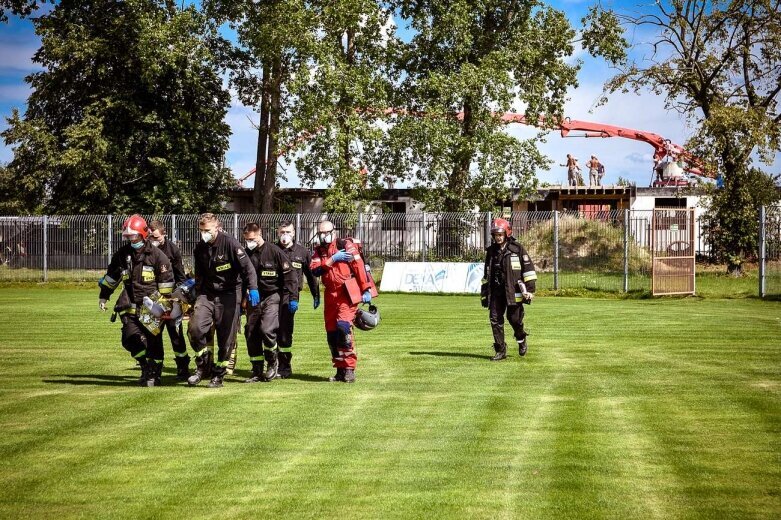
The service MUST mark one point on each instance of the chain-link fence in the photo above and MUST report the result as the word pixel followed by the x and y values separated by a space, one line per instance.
pixel 770 251
pixel 603 250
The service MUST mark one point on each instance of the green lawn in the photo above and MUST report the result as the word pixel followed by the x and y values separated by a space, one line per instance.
pixel 622 409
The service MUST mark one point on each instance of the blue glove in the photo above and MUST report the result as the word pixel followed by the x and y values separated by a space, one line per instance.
pixel 254 297
pixel 316 302
pixel 342 256
pixel 367 296
pixel 100 282
pixel 293 306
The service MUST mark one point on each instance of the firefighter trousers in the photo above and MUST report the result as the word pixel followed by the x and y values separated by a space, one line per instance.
pixel 221 310
pixel 497 308
pixel 261 328
pixel 141 343
pixel 176 334
pixel 339 314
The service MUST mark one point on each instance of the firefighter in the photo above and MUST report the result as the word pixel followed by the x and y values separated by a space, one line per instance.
pixel 221 265
pixel 509 282
pixel 159 239
pixel 299 258
pixel 346 284
pixel 144 270
pixel 276 283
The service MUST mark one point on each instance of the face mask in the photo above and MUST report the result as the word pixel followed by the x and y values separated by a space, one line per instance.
pixel 207 236
pixel 286 239
pixel 251 244
pixel 137 245
pixel 326 237
pixel 156 243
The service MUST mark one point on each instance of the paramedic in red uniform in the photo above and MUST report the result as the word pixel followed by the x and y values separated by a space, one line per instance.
pixel 346 285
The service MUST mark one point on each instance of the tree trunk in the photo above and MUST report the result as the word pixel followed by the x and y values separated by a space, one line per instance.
pixel 261 156
pixel 270 183
pixel 462 162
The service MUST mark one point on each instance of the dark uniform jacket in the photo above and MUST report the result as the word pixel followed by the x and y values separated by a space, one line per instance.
pixel 514 265
pixel 143 272
pixel 221 266
pixel 300 258
pixel 275 274
pixel 174 255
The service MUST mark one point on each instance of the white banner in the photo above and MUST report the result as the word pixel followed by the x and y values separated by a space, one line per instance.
pixel 432 277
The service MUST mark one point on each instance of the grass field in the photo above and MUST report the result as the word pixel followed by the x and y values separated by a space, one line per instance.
pixel 622 409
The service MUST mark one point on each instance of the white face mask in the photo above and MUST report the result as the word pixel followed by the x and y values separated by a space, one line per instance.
pixel 285 239
pixel 156 243
pixel 137 245
pixel 207 237
pixel 251 244
pixel 326 237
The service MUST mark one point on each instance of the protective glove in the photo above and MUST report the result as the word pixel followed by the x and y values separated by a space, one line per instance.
pixel 100 282
pixel 367 296
pixel 316 302
pixel 254 297
pixel 484 302
pixel 528 297
pixel 293 306
pixel 102 304
pixel 342 256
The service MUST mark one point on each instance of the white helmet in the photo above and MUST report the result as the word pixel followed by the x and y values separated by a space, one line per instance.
pixel 367 319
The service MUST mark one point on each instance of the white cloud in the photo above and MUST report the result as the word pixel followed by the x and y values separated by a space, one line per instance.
pixel 17 57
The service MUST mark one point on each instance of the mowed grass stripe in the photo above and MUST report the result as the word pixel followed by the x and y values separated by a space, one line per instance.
pixel 619 410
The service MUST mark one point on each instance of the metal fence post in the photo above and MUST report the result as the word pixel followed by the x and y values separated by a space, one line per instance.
pixel 173 228
pixel 556 250
pixel 762 251
pixel 359 231
pixel 298 225
pixel 424 232
pixel 487 233
pixel 110 245
pixel 626 250
pixel 236 226
pixel 45 248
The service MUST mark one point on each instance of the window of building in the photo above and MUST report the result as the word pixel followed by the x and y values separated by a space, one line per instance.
pixel 394 216
pixel 670 202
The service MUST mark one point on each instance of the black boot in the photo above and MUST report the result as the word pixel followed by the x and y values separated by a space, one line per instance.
pixel 285 370
pixel 202 368
pixel 144 371
pixel 349 375
pixel 216 382
pixel 501 353
pixel 153 373
pixel 522 346
pixel 272 364
pixel 257 373
pixel 182 368
pixel 338 377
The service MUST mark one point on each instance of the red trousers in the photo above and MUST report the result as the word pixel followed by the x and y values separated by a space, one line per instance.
pixel 339 315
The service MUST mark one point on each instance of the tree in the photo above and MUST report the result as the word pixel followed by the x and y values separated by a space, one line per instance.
pixel 18 7
pixel 127 115
pixel 466 64
pixel 341 101
pixel 719 63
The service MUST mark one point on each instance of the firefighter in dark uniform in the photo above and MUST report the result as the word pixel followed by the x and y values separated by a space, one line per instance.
pixel 221 265
pixel 509 282
pixel 276 283
pixel 144 270
pixel 299 258
pixel 158 238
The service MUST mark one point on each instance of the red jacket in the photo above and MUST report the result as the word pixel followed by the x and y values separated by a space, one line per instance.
pixel 335 275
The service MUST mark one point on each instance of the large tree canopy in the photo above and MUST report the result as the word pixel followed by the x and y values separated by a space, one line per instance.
pixel 127 115
pixel 719 63
pixel 468 62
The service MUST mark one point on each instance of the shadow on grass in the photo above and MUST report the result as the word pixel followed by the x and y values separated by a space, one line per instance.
pixel 95 380
pixel 449 354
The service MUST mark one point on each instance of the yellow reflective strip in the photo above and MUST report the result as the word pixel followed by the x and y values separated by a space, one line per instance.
pixel 221 364
pixel 285 349
pixel 165 290
pixel 140 354
pixel 180 354
pixel 256 358
pixel 271 349
pixel 201 352
pixel 529 275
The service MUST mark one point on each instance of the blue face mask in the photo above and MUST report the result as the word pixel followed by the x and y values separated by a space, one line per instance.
pixel 137 245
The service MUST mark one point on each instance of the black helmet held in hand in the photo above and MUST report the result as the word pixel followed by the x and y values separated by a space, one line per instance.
pixel 367 319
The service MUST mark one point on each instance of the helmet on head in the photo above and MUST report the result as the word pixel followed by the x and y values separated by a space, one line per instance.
pixel 367 319
pixel 135 225
pixel 499 225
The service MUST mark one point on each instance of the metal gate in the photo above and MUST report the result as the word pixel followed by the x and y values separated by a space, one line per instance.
pixel 672 251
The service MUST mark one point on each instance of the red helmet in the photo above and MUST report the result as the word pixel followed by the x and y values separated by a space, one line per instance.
pixel 499 225
pixel 135 225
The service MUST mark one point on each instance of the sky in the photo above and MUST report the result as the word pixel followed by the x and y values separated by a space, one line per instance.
pixel 625 158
